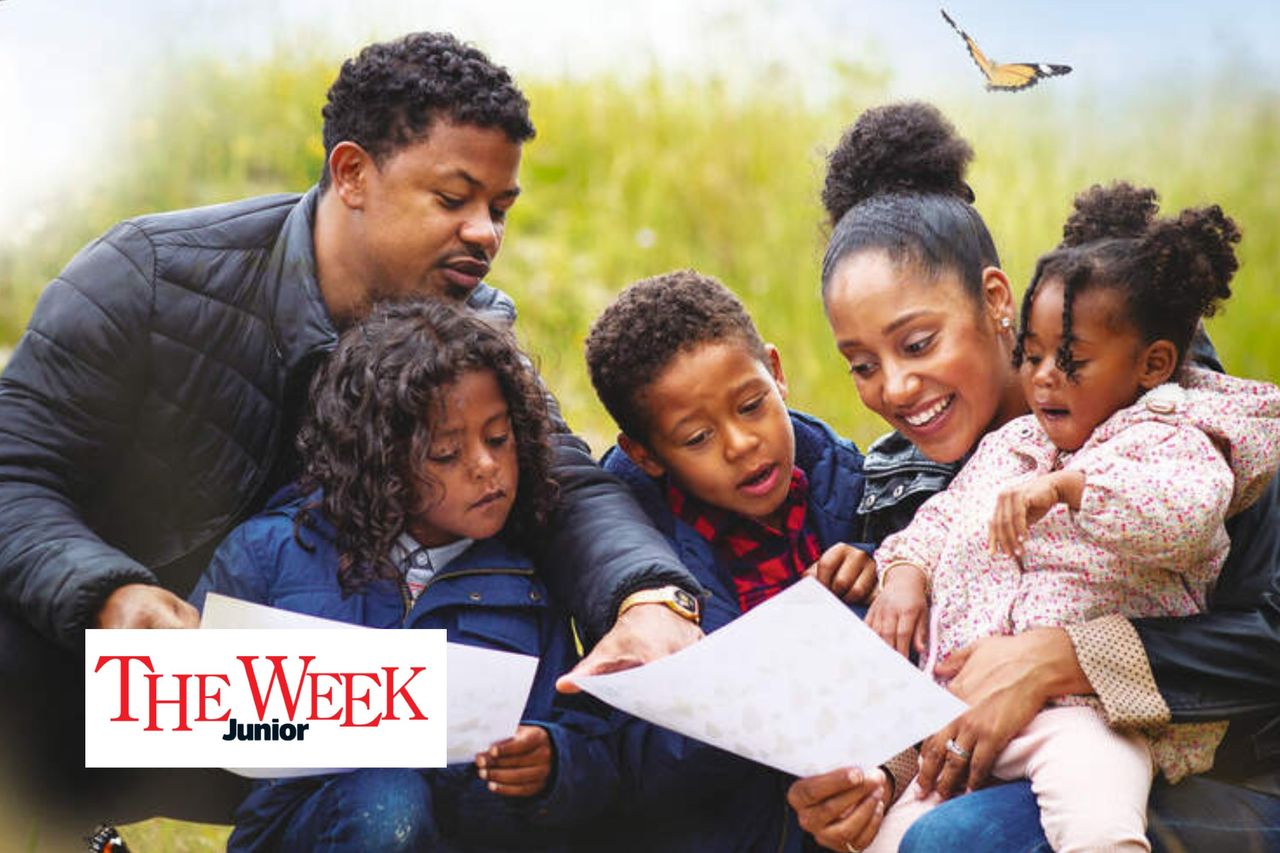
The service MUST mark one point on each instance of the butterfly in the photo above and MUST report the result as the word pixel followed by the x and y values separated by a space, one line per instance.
pixel 1007 76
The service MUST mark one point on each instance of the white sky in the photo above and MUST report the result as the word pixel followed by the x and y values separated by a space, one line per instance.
pixel 65 64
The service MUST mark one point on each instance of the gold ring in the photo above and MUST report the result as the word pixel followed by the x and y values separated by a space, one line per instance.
pixel 957 750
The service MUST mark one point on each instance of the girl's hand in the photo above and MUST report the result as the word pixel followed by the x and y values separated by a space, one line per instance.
pixel 846 571
pixel 518 766
pixel 1022 505
pixel 842 809
pixel 1006 681
pixel 900 612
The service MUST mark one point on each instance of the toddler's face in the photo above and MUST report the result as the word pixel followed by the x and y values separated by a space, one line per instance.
pixel 1108 353
pixel 471 471
pixel 720 428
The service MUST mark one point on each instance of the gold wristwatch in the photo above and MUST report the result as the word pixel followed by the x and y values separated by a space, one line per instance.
pixel 682 602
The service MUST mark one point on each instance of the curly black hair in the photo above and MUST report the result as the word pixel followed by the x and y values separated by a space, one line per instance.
pixel 368 430
pixel 647 326
pixel 389 95
pixel 895 183
pixel 1170 272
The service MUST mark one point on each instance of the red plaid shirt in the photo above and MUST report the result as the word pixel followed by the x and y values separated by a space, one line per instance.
pixel 762 559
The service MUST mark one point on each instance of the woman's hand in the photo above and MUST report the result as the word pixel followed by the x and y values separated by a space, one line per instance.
pixel 900 613
pixel 842 809
pixel 846 571
pixel 518 766
pixel 1006 681
pixel 1021 505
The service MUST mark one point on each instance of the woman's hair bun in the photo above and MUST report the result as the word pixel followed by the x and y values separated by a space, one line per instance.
pixel 1119 210
pixel 896 148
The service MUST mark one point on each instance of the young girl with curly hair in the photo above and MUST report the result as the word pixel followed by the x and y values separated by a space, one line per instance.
pixel 1109 498
pixel 425 478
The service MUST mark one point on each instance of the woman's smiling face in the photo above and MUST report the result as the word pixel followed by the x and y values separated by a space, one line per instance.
pixel 922 353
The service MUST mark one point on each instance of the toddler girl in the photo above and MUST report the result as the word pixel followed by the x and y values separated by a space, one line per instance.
pixel 1109 498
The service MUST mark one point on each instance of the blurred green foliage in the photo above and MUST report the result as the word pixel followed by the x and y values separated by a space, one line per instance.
pixel 628 178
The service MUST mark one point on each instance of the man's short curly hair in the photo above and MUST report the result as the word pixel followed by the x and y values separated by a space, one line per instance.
pixel 389 95
pixel 651 322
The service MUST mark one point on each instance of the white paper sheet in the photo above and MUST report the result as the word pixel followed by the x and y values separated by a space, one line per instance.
pixel 798 683
pixel 487 689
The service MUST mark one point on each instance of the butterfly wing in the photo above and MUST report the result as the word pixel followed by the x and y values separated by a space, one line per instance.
pixel 1012 76
pixel 1009 76
pixel 986 66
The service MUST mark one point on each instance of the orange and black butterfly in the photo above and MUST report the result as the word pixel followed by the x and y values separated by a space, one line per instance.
pixel 1006 76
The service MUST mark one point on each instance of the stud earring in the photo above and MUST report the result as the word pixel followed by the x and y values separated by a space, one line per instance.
pixel 1006 323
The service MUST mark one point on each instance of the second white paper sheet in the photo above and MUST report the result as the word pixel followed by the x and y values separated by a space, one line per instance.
pixel 798 683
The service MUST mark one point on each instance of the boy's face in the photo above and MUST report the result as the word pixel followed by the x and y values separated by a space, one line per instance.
pixel 720 429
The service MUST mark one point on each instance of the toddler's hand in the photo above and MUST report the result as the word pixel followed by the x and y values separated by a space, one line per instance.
pixel 1022 505
pixel 900 612
pixel 518 766
pixel 846 571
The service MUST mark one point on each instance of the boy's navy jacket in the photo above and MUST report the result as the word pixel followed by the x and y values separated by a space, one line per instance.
pixel 489 596
pixel 738 805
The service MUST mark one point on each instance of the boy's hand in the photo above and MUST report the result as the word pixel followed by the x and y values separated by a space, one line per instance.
pixel 846 571
pixel 518 766
pixel 1022 505
pixel 900 613
pixel 644 633
pixel 842 809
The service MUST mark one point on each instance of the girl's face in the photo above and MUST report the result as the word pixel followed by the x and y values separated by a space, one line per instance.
pixel 1111 362
pixel 471 472
pixel 923 356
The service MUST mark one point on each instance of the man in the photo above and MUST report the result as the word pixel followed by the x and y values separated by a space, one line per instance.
pixel 153 402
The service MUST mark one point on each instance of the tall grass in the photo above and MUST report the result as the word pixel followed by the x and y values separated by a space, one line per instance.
pixel 631 178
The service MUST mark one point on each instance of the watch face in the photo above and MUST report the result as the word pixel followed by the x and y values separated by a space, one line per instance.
pixel 685 600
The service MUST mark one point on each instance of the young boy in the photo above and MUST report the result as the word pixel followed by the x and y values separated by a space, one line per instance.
pixel 751 495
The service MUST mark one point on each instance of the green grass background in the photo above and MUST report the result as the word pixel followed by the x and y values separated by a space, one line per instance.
pixel 629 178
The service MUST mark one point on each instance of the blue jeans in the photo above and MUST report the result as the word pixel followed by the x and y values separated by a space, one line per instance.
pixel 1197 814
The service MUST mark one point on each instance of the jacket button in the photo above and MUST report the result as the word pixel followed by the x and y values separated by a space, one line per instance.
pixel 870 501
pixel 535 596
pixel 898 490
pixel 475 596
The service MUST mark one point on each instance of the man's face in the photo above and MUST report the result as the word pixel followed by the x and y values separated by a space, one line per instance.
pixel 434 212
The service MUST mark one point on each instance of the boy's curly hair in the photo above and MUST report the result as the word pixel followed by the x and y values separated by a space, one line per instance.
pixel 1171 272
pixel 389 95
pixel 649 324
pixel 367 433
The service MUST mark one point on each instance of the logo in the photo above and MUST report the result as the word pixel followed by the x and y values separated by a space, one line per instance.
pixel 261 698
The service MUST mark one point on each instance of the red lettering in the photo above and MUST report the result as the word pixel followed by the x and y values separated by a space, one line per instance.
pixel 352 698
pixel 145 660
pixel 401 691
pixel 155 701
pixel 316 695
pixel 216 696
pixel 277 675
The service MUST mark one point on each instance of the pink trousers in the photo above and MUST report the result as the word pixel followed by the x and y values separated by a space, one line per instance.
pixel 1091 783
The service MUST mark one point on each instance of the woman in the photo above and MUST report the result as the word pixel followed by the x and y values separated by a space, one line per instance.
pixel 924 317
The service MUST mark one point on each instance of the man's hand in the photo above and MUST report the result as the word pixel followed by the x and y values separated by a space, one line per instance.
pixel 644 633
pixel 842 809
pixel 140 605
pixel 846 571
pixel 518 766
pixel 900 613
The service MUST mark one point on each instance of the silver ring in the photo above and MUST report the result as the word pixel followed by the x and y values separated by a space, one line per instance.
pixel 957 750
pixel 848 845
